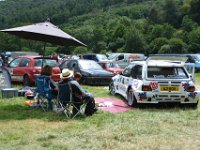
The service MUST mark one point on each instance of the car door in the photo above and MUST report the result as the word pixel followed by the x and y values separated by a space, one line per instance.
pixel 24 69
pixel 190 67
pixel 136 76
pixel 124 80
pixel 13 69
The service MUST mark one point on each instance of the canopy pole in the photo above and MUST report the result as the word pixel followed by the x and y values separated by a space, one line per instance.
pixel 43 54
pixel 44 48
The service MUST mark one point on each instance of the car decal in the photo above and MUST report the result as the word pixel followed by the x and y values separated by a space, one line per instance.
pixel 185 86
pixel 142 96
pixel 193 95
pixel 154 85
pixel 135 83
pixel 123 81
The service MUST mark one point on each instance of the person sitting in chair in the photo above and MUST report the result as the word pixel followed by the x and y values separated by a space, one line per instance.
pixel 47 71
pixel 78 94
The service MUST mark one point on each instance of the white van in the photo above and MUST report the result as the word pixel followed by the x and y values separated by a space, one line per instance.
pixel 123 59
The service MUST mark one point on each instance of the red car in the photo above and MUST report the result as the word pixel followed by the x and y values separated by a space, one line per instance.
pixel 111 67
pixel 25 68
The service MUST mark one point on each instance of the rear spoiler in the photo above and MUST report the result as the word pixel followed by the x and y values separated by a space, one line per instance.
pixel 174 59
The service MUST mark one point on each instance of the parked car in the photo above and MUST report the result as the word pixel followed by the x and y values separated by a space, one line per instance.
pixel 95 57
pixel 25 68
pixel 194 58
pixel 92 73
pixel 111 67
pixel 155 81
pixel 123 59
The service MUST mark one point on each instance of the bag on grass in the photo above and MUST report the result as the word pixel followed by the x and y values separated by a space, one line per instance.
pixel 90 107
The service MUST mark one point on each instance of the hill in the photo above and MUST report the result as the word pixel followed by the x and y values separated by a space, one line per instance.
pixel 146 26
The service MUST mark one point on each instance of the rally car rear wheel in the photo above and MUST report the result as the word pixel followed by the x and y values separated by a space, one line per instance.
pixel 112 88
pixel 131 98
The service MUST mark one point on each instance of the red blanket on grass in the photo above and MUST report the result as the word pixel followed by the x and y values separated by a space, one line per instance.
pixel 113 105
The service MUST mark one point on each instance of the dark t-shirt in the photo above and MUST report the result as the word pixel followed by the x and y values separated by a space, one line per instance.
pixel 77 91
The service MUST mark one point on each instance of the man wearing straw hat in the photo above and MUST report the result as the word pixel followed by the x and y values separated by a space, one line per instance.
pixel 78 94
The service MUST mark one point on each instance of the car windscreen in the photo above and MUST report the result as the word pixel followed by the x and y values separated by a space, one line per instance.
pixel 196 58
pixel 166 72
pixel 89 65
pixel 43 62
pixel 101 57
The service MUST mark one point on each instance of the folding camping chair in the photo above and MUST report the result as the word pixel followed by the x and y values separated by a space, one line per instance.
pixel 70 107
pixel 43 92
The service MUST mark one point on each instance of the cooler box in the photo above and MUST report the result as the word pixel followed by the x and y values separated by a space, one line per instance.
pixel 9 92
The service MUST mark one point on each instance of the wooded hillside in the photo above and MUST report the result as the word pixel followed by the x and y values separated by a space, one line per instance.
pixel 145 26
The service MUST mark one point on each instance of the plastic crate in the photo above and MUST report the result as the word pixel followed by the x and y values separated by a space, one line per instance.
pixel 9 92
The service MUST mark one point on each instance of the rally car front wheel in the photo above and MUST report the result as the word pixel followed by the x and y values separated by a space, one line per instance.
pixel 131 98
pixel 112 88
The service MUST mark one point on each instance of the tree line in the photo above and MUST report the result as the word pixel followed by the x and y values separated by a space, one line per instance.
pixel 144 26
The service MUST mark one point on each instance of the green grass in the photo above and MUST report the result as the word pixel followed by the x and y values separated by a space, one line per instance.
pixel 148 128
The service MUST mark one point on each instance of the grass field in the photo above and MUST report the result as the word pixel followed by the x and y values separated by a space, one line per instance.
pixel 169 128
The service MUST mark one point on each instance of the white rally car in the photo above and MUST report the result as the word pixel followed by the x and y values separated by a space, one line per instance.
pixel 155 81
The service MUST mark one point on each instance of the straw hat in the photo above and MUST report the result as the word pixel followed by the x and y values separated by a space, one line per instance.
pixel 66 73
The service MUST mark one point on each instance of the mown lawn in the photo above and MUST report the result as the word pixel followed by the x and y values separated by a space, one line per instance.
pixel 168 128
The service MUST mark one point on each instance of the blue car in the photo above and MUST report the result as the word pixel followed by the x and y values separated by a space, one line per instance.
pixel 194 58
pixel 92 73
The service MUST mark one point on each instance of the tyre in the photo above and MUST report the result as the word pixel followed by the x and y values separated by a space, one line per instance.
pixel 112 88
pixel 26 80
pixel 131 98
pixel 194 105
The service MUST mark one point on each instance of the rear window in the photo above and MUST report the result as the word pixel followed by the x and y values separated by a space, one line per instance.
pixel 166 72
pixel 44 62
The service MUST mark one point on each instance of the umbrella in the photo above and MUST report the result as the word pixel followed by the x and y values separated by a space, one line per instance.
pixel 46 32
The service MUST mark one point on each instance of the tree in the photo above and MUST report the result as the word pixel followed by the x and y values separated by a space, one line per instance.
pixel 171 12
pixel 165 49
pixel 188 24
pixel 177 46
pixel 194 10
pixel 80 50
pixel 154 15
pixel 135 42
pixel 157 43
pixel 194 40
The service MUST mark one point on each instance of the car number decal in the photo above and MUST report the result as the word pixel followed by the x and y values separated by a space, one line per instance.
pixel 154 85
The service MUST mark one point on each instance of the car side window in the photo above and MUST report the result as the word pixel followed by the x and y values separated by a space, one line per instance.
pixel 120 57
pixel 24 62
pixel 137 72
pixel 127 71
pixel 74 65
pixel 190 60
pixel 15 63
